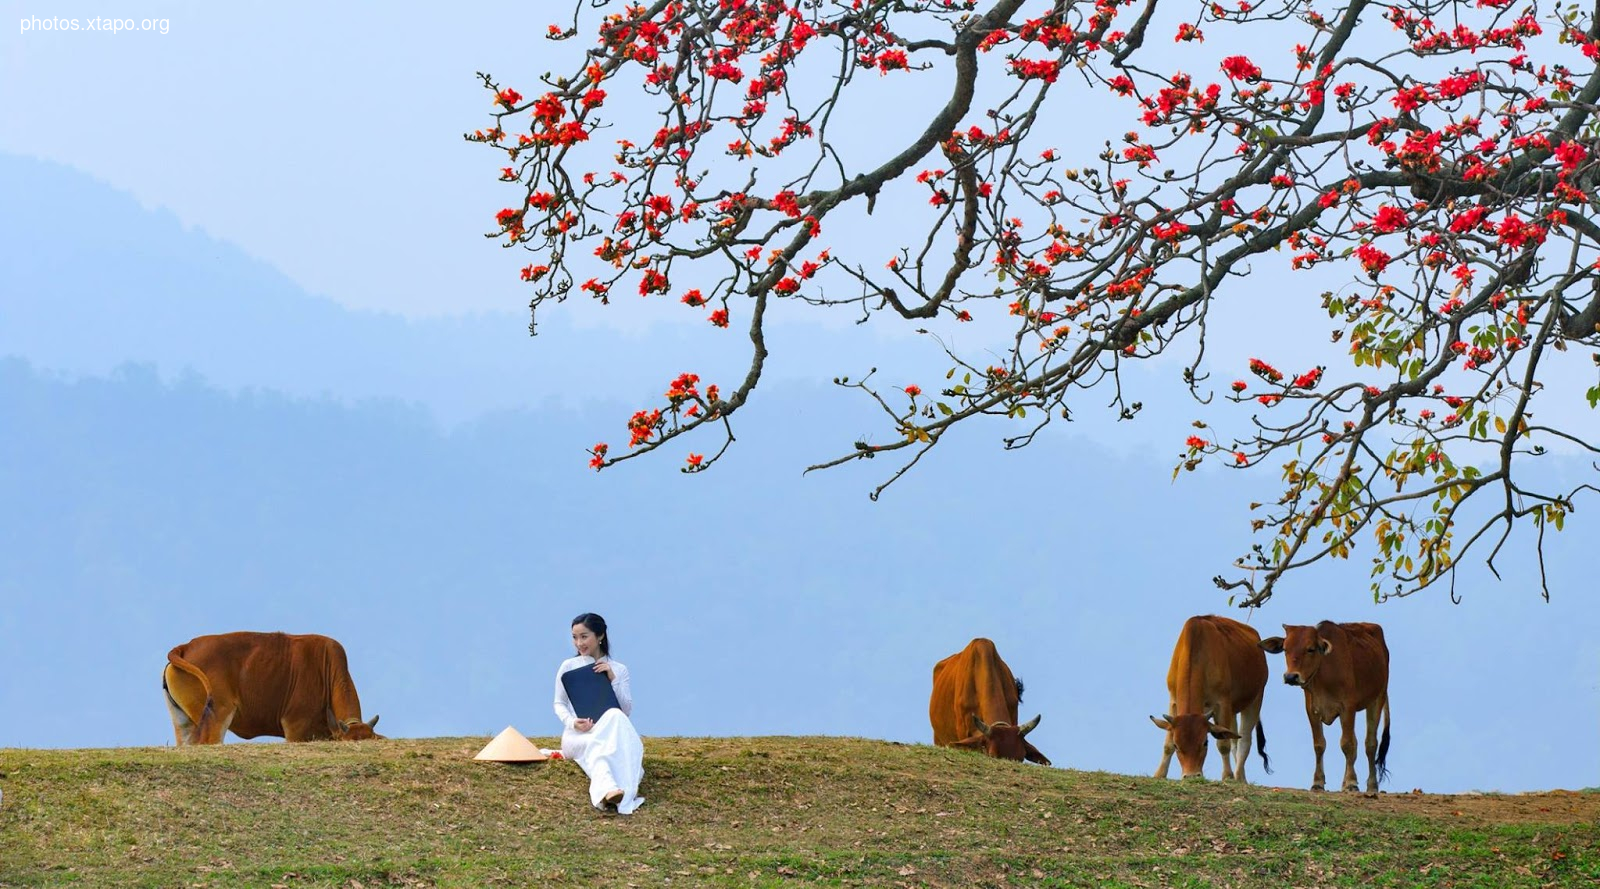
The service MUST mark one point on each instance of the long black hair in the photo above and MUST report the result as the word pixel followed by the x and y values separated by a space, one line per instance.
pixel 597 626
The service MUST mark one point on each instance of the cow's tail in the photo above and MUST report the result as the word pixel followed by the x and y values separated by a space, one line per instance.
pixel 1261 747
pixel 207 713
pixel 1383 745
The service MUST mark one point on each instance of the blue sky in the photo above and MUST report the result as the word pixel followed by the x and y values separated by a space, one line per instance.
pixel 273 214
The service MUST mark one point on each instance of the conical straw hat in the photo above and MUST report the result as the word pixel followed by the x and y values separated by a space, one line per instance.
pixel 510 746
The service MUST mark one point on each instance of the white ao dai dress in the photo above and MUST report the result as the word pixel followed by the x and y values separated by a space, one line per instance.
pixel 611 753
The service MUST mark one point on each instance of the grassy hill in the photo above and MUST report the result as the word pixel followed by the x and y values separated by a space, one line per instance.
pixel 740 812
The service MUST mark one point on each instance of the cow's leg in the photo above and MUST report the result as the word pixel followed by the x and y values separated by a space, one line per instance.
pixel 215 724
pixel 182 725
pixel 1241 748
pixel 1373 712
pixel 186 702
pixel 1347 746
pixel 1229 721
pixel 1318 744
pixel 295 730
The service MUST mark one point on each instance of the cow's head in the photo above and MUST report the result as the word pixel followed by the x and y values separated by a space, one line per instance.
pixel 1192 734
pixel 356 730
pixel 1001 740
pixel 1303 652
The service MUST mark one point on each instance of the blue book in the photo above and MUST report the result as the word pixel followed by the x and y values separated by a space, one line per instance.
pixel 589 692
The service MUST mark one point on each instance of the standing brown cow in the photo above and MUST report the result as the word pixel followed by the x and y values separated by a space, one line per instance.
pixel 1215 684
pixel 974 705
pixel 293 687
pixel 1343 669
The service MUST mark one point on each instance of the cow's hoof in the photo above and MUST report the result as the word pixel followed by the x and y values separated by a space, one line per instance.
pixel 1351 788
pixel 1317 788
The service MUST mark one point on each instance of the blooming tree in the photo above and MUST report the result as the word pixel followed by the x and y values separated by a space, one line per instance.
pixel 1435 161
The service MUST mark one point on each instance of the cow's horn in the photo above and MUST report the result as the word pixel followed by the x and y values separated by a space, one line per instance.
pixel 373 723
pixel 982 728
pixel 1030 725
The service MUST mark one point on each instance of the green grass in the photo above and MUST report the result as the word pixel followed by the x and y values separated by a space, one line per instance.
pixel 739 812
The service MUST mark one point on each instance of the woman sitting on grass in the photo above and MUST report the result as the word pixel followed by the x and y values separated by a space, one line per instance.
pixel 608 748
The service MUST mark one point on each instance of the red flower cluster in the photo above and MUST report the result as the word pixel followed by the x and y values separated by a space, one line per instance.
pixel 1036 69
pixel 642 425
pixel 652 282
pixel 1389 218
pixel 1372 259
pixel 1263 370
pixel 1241 68
pixel 683 388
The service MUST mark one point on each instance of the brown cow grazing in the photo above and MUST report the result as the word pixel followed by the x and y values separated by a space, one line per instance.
pixel 1343 668
pixel 1215 683
pixel 293 687
pixel 974 705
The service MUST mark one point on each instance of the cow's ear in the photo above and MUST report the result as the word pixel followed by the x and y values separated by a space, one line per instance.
pixel 1272 645
pixel 1163 723
pixel 1222 734
pixel 975 742
pixel 1324 646
pixel 1032 754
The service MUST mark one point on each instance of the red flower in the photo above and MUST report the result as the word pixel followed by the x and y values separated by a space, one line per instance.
pixel 1241 68
pixel 1264 370
pixel 1372 259
pixel 695 460
pixel 1388 218
pixel 1195 443
pixel 913 391
pixel 1239 385
pixel 720 318
pixel 598 458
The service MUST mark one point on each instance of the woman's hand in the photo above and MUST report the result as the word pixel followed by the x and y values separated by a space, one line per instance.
pixel 605 667
pixel 583 725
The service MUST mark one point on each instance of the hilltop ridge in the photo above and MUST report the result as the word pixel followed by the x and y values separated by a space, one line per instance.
pixel 763 811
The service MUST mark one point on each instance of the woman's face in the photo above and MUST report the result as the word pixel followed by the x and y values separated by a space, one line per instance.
pixel 587 643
